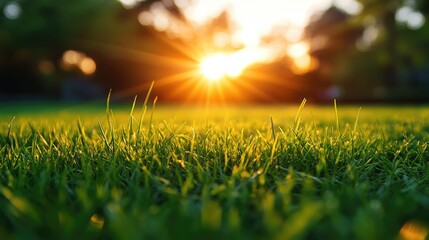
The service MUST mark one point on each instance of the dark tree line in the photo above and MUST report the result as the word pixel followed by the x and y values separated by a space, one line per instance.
pixel 368 56
pixel 372 55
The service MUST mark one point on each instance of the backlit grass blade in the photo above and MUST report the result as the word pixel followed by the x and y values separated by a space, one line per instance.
pixel 273 132
pixel 82 135
pixel 356 121
pixel 104 135
pixel 297 121
pixel 8 139
pixel 151 116
pixel 217 178
pixel 108 103
pixel 131 119
pixel 336 116
pixel 9 128
pixel 109 115
pixel 144 109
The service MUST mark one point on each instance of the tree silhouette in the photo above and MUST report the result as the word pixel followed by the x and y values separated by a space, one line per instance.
pixel 371 55
pixel 47 28
pixel 332 37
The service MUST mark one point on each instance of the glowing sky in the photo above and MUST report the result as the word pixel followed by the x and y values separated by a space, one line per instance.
pixel 251 22
pixel 255 18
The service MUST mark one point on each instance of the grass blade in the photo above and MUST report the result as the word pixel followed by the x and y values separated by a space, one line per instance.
pixel 298 114
pixel 81 133
pixel 104 135
pixel 356 121
pixel 108 103
pixel 9 128
pixel 151 116
pixel 336 116
pixel 273 132
pixel 131 119
pixel 144 108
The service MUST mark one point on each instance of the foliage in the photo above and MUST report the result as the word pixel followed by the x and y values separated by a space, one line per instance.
pixel 372 51
pixel 46 29
pixel 168 173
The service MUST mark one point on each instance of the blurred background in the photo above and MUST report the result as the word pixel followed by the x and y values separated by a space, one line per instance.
pixel 258 51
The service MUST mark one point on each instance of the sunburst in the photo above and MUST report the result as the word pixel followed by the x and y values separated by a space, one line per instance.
pixel 204 75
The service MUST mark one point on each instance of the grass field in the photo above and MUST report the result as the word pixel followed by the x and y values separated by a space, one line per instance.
pixel 252 172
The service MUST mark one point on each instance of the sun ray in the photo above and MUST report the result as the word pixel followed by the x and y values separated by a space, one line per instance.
pixel 178 77
pixel 253 89
pixel 220 94
pixel 118 95
pixel 198 88
pixel 233 91
pixel 121 52
pixel 191 51
pixel 183 88
pixel 259 76
pixel 189 68
pixel 160 82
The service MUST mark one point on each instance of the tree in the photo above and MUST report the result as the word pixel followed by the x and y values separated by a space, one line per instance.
pixel 384 12
pixel 44 30
pixel 332 41
pixel 377 57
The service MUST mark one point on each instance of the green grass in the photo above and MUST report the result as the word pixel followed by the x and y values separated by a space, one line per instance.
pixel 254 172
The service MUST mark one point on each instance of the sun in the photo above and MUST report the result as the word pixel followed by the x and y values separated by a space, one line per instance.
pixel 220 65
pixel 212 67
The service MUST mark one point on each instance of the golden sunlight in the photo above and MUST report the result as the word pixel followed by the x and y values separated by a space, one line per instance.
pixel 413 230
pixel 73 59
pixel 298 50
pixel 213 67
pixel 302 61
pixel 87 66
pixel 221 65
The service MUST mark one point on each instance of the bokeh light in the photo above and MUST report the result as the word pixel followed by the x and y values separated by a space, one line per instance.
pixel 73 59
pixel 298 50
pixel 145 18
pixel 161 17
pixel 87 66
pixel 413 230
pixel 12 10
pixel 46 67
pixel 350 6
pixel 97 221
pixel 416 20
pixel 412 18
pixel 128 4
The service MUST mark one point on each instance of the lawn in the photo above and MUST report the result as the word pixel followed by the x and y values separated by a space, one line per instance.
pixel 240 172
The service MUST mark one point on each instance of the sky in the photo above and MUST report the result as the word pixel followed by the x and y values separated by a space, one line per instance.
pixel 254 19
